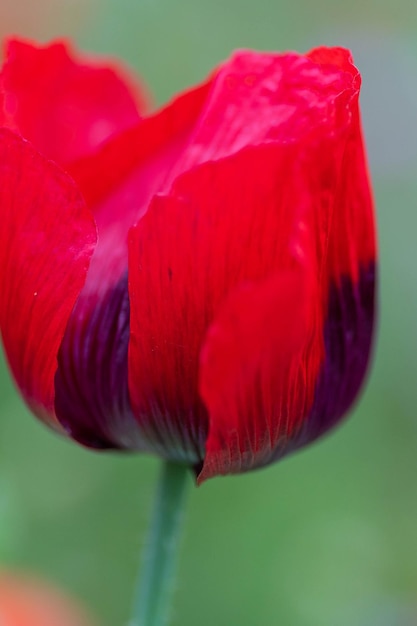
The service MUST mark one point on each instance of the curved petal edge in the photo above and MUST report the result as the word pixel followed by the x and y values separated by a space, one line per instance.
pixel 47 239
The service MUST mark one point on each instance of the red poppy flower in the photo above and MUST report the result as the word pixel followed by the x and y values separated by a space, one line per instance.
pixel 201 285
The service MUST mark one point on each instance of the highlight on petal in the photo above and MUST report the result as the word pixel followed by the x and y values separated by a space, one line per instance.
pixel 64 105
pixel 47 239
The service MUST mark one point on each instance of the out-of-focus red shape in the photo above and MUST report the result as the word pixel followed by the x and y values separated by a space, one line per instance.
pixel 26 601
pixel 66 106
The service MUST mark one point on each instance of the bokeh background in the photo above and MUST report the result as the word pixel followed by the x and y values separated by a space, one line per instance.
pixel 329 536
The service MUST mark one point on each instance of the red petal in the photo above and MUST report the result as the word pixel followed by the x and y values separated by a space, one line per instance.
pixel 257 98
pixel 336 58
pixel 257 377
pixel 279 194
pixel 223 224
pixel 118 182
pixel 47 239
pixel 278 98
pixel 353 242
pixel 66 107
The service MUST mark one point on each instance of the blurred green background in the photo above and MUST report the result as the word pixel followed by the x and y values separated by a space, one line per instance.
pixel 329 536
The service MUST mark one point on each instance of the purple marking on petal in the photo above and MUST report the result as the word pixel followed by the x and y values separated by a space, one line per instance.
pixel 91 385
pixel 348 340
pixel 91 390
pixel 92 396
pixel 348 334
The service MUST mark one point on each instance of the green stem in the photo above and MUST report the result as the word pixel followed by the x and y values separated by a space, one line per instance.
pixel 153 597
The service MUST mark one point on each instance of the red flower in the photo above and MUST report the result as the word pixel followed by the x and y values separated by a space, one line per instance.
pixel 223 316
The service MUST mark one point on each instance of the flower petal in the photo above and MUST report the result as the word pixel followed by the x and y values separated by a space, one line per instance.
pixel 66 107
pixel 348 334
pixel 268 396
pixel 92 399
pixel 47 239
pixel 257 375
pixel 284 205
pixel 348 296
pixel 224 225
pixel 336 58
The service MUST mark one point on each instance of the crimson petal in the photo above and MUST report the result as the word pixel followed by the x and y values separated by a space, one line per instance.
pixel 92 397
pixel 192 249
pixel 47 239
pixel 285 187
pixel 348 333
pixel 65 106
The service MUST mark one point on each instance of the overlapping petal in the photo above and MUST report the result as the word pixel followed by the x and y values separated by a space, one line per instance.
pixel 215 315
pixel 47 239
pixel 118 182
pixel 232 230
pixel 64 105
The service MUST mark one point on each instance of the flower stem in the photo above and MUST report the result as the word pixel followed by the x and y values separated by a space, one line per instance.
pixel 153 597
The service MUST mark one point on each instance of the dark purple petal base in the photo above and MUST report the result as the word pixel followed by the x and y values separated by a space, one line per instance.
pixel 348 335
pixel 92 396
